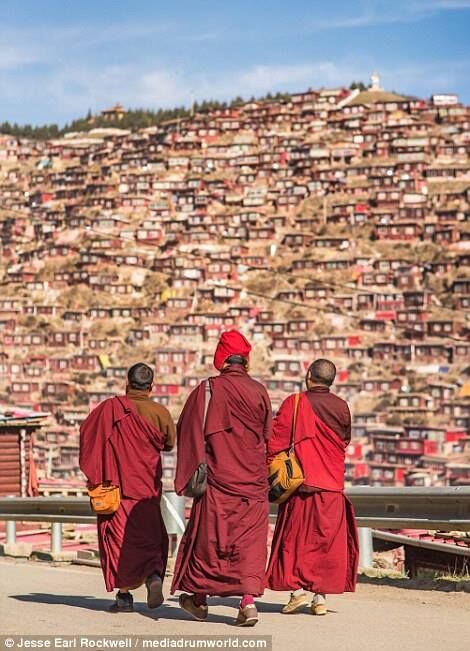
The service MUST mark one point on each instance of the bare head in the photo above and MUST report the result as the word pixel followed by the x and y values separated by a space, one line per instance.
pixel 140 376
pixel 321 372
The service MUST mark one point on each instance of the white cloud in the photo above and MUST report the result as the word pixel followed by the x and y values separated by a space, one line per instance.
pixel 75 89
pixel 57 70
pixel 367 19
pixel 162 87
pixel 444 5
pixel 50 44
pixel 379 12
pixel 199 38
pixel 265 78
pixel 12 57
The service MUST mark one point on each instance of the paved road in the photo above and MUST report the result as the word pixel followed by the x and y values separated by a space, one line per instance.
pixel 37 598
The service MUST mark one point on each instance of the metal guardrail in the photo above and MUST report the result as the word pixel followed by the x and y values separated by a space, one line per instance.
pixel 422 544
pixel 75 510
pixel 446 509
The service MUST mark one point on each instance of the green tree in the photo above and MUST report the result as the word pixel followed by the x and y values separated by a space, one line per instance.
pixel 359 85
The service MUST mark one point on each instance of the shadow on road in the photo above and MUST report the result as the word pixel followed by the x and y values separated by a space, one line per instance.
pixel 76 601
pixel 172 612
pixel 169 612
pixel 234 602
pixel 165 612
pixel 102 605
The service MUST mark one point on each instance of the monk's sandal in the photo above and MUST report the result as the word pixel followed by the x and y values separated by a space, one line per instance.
pixel 124 603
pixel 154 587
pixel 296 603
pixel 199 613
pixel 318 608
pixel 247 616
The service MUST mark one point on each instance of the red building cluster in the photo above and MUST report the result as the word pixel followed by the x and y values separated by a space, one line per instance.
pixel 332 223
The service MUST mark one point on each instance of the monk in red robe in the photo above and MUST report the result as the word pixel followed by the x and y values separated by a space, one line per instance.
pixel 315 545
pixel 120 444
pixel 223 551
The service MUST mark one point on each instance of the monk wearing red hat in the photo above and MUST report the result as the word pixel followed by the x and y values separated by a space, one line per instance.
pixel 223 551
pixel 315 541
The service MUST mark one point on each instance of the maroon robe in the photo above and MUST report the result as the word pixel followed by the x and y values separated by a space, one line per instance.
pixel 223 550
pixel 119 446
pixel 315 544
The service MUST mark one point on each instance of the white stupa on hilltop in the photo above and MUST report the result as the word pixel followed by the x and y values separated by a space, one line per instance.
pixel 375 82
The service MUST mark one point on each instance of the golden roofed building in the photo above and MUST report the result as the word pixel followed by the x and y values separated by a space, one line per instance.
pixel 117 112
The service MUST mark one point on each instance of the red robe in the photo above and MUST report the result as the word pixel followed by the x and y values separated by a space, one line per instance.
pixel 119 446
pixel 223 550
pixel 315 544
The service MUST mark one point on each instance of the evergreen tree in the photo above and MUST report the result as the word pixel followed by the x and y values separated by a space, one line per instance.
pixel 359 85
pixel 133 119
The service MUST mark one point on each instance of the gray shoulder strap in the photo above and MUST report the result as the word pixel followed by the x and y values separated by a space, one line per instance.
pixel 207 398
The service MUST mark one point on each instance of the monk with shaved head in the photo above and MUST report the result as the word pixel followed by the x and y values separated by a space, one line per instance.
pixel 120 446
pixel 315 546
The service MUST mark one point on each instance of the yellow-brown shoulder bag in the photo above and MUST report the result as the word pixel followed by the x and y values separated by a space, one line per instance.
pixel 105 499
pixel 285 472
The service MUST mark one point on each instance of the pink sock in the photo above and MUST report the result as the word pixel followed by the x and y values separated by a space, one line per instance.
pixel 247 600
pixel 200 599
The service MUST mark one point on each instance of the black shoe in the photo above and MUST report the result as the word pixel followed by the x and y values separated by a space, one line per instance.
pixel 124 603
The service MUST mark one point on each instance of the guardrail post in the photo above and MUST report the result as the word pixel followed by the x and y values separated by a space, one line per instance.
pixel 366 548
pixel 10 532
pixel 56 537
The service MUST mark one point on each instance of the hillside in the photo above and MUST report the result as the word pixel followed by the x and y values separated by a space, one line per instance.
pixel 333 222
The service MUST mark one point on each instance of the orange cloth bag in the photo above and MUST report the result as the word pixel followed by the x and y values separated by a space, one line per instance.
pixel 104 499
pixel 285 472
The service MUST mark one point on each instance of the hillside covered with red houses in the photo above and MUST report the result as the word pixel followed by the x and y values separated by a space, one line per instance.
pixel 332 223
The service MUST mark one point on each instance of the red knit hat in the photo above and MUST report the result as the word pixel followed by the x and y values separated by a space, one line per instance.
pixel 230 343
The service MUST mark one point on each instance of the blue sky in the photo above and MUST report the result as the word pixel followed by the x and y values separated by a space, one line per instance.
pixel 58 58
